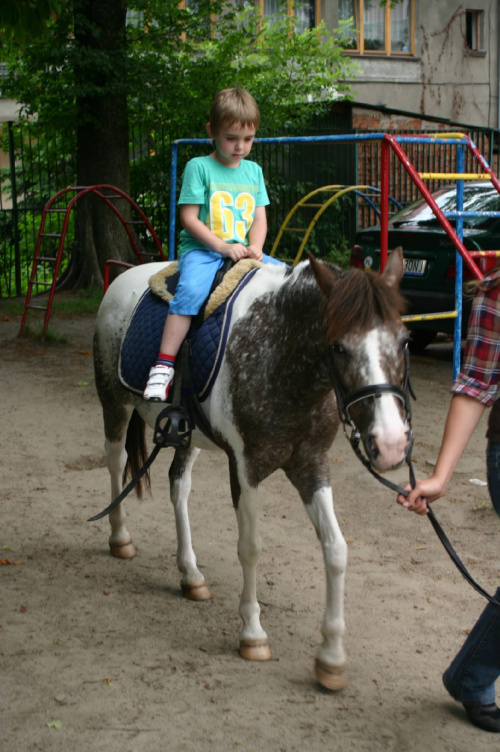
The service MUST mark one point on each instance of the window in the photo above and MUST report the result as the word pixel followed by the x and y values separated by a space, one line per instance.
pixel 380 30
pixel 135 18
pixel 474 30
pixel 196 6
pixel 207 26
pixel 306 12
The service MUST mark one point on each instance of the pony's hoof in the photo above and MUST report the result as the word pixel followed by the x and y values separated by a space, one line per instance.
pixel 196 591
pixel 123 550
pixel 330 677
pixel 255 650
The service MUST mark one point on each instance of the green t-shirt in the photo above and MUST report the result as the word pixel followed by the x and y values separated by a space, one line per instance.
pixel 227 197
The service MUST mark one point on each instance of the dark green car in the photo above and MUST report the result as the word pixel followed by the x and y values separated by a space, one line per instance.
pixel 429 279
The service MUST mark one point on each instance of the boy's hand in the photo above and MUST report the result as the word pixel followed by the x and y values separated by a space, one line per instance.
pixel 255 252
pixel 235 251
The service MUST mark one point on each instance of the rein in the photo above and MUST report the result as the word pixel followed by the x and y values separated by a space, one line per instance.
pixel 376 391
pixel 172 429
pixel 173 426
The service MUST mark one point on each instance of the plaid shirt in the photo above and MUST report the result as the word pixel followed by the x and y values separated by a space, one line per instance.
pixel 481 369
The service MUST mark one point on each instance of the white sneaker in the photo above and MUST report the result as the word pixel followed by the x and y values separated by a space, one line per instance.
pixel 159 382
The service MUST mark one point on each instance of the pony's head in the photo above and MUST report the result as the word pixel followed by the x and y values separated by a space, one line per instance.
pixel 367 352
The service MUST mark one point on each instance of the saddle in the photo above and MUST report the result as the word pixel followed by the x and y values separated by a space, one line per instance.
pixel 164 284
pixel 207 336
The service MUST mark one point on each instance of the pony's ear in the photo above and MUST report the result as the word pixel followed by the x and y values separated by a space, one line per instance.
pixel 394 268
pixel 325 277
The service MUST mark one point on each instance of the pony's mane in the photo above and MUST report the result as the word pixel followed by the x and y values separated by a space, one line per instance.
pixel 359 301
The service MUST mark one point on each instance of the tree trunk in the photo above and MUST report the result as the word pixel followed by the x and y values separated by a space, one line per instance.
pixel 102 136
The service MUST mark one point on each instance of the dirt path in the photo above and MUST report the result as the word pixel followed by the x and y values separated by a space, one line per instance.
pixel 109 648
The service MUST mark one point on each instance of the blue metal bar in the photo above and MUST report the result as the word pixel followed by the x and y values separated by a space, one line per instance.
pixel 472 214
pixel 343 138
pixel 429 140
pixel 173 202
pixel 206 141
pixel 347 138
pixel 457 338
pixel 284 140
pixel 370 202
pixel 296 139
pixel 371 137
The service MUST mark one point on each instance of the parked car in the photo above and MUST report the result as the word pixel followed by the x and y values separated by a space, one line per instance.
pixel 428 283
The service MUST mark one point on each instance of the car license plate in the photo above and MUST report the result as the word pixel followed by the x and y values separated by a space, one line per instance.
pixel 415 267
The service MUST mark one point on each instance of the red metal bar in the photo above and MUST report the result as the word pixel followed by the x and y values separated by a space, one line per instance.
pixel 97 190
pixel 37 258
pixel 435 208
pixel 484 164
pixel 82 191
pixel 108 264
pixel 384 205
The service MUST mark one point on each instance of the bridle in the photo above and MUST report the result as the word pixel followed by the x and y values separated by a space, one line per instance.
pixel 375 391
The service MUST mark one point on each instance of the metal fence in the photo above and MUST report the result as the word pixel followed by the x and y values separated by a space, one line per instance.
pixel 39 165
pixel 425 158
pixel 33 168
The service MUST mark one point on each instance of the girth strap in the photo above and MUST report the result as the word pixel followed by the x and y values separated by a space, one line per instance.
pixel 190 398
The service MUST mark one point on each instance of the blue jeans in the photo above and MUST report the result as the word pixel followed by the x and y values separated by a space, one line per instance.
pixel 493 471
pixel 473 672
pixel 471 677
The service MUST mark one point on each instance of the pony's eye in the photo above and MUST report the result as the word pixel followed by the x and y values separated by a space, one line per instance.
pixel 338 349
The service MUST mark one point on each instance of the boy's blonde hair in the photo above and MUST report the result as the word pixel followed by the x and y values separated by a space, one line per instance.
pixel 232 106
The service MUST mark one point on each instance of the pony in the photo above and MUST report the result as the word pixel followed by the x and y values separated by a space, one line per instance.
pixel 295 333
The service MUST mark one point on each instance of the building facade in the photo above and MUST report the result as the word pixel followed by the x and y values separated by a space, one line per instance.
pixel 425 59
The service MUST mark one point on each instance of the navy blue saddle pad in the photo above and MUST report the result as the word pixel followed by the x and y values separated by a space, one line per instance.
pixel 141 342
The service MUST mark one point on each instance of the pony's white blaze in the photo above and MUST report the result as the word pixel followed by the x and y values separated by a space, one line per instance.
pixel 389 431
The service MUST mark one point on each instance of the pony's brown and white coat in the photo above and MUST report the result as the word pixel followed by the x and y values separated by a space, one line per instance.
pixel 272 407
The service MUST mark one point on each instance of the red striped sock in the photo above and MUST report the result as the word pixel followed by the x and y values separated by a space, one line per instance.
pixel 165 360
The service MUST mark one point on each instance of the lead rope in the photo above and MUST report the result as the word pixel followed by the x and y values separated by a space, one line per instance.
pixel 455 558
pixel 354 439
pixel 430 514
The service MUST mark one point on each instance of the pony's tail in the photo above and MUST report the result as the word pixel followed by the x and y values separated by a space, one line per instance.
pixel 137 453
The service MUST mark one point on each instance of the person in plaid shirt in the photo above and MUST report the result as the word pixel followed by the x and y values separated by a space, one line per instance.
pixel 472 674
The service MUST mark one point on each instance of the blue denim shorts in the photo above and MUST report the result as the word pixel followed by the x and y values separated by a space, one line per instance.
pixel 197 270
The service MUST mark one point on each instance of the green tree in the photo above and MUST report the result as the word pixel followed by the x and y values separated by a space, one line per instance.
pixel 100 74
pixel 25 20
pixel 93 74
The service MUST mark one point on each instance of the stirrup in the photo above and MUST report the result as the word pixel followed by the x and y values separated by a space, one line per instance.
pixel 173 428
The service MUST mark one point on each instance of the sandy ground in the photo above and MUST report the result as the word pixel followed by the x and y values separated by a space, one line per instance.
pixel 101 654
